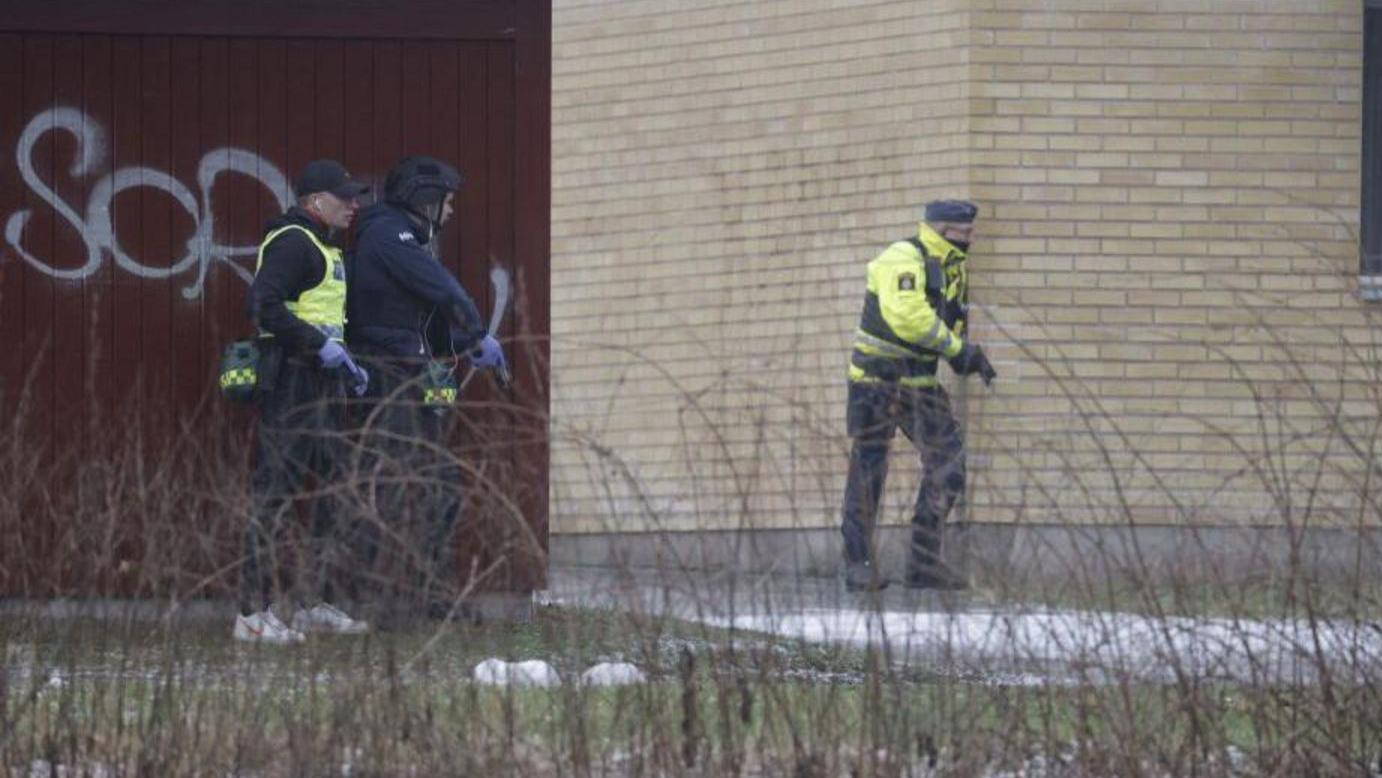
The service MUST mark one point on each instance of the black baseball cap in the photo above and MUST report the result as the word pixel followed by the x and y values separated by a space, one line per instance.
pixel 959 211
pixel 328 175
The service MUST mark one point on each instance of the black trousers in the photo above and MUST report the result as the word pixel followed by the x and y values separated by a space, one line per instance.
pixel 414 486
pixel 875 412
pixel 298 437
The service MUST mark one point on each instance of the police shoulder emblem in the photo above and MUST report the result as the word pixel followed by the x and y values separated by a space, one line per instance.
pixel 907 282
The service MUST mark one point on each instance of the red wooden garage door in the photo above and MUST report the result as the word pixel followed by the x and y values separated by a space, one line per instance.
pixel 142 147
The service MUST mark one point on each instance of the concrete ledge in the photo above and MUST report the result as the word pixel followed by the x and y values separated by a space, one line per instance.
pixel 1008 553
pixel 481 606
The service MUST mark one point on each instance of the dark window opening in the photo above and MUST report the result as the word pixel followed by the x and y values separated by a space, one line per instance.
pixel 1370 220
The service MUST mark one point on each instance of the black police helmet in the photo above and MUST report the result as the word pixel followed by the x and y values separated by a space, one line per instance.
pixel 420 181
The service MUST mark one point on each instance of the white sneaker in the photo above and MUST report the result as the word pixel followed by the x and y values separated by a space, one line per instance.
pixel 265 627
pixel 327 618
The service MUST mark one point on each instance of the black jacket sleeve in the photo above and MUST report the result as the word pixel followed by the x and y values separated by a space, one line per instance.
pixel 412 268
pixel 291 266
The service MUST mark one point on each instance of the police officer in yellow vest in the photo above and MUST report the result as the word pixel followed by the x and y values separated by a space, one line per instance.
pixel 297 301
pixel 915 313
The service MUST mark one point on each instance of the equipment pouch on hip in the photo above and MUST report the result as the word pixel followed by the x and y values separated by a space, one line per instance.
pixel 240 370
pixel 438 385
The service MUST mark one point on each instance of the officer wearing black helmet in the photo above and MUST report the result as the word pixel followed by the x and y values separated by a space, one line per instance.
pixel 915 313
pixel 398 288
pixel 405 314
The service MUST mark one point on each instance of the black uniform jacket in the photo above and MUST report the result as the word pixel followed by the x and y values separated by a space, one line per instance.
pixel 400 301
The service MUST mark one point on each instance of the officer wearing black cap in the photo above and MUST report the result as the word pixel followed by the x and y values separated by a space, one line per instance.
pixel 914 314
pixel 297 301
pixel 410 320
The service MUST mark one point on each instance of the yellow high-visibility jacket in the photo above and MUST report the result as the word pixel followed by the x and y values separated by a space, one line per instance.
pixel 914 311
pixel 322 306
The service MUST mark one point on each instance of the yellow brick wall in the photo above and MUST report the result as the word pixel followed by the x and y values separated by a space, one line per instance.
pixel 1169 194
pixel 1167 275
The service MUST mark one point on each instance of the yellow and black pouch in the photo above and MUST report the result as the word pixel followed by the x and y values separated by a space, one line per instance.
pixel 439 386
pixel 239 373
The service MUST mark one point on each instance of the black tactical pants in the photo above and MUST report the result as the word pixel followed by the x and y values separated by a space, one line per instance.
pixel 874 412
pixel 298 440
pixel 413 483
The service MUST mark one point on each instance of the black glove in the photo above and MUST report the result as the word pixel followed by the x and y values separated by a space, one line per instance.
pixel 971 360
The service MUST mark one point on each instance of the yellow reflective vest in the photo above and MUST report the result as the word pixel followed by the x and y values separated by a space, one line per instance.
pixel 914 311
pixel 322 306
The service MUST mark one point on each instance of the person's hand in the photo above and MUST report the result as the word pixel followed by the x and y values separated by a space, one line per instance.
pixel 332 354
pixel 359 377
pixel 986 370
pixel 971 360
pixel 488 354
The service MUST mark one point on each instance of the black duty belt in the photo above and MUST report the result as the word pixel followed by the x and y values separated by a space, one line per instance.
pixel 892 368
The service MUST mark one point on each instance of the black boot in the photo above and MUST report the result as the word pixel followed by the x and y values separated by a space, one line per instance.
pixel 936 575
pixel 925 568
pixel 862 577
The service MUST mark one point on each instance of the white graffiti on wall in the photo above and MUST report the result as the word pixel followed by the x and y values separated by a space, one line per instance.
pixel 96 227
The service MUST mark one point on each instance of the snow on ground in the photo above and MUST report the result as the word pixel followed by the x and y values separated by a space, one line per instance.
pixel 1105 643
pixel 613 674
pixel 534 672
pixel 988 642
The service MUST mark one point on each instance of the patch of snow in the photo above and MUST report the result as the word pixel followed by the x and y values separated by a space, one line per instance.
pixel 1145 647
pixel 547 597
pixel 613 674
pixel 534 672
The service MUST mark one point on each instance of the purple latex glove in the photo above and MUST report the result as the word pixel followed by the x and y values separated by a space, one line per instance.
pixel 488 353
pixel 359 377
pixel 332 354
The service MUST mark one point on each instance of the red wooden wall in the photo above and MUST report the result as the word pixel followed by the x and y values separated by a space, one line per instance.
pixel 142 147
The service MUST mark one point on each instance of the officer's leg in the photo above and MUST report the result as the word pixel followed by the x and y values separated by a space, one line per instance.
pixel 936 434
pixel 400 473
pixel 419 461
pixel 329 513
pixel 366 459
pixel 283 454
pixel 870 425
pixel 436 571
pixel 383 426
pixel 356 534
